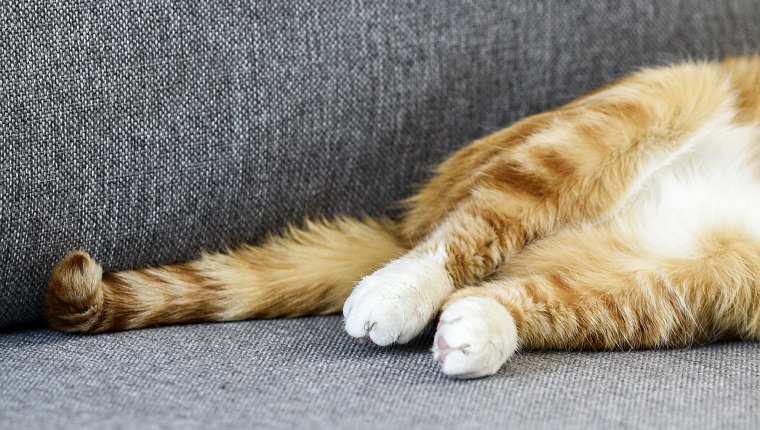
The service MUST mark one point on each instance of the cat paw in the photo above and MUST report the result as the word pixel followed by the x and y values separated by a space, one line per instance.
pixel 475 337
pixel 395 303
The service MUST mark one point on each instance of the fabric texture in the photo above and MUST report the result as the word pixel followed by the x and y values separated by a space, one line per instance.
pixel 147 131
pixel 307 374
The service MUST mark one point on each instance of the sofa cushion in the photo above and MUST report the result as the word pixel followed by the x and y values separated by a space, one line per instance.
pixel 306 374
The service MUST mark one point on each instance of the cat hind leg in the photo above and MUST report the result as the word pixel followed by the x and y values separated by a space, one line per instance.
pixel 475 337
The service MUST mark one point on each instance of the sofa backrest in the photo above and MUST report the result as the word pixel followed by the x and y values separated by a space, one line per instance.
pixel 145 133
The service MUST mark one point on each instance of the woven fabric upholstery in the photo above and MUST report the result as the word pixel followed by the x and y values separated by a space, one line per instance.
pixel 306 374
pixel 146 131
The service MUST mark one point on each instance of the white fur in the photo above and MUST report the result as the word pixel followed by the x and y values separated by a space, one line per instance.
pixel 711 183
pixel 396 302
pixel 475 337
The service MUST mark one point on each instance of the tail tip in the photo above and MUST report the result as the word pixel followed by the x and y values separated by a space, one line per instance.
pixel 74 296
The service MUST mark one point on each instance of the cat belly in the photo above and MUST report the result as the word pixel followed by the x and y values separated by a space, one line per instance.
pixel 711 185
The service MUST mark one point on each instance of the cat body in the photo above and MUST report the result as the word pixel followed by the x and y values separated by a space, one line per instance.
pixel 629 218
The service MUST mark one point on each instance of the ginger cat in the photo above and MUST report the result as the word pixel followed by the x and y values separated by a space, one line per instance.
pixel 629 218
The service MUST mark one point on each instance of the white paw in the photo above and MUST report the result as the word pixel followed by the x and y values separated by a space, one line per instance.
pixel 395 303
pixel 475 337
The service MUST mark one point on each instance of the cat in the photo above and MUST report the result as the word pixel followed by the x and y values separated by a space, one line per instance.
pixel 627 219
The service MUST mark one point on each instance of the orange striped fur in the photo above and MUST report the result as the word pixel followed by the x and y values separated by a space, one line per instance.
pixel 307 271
pixel 531 235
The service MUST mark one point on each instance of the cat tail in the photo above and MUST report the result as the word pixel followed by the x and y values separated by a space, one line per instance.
pixel 304 271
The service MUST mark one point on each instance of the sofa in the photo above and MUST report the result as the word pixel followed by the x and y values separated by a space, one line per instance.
pixel 146 132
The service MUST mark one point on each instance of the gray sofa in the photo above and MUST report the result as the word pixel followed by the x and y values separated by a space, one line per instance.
pixel 145 132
